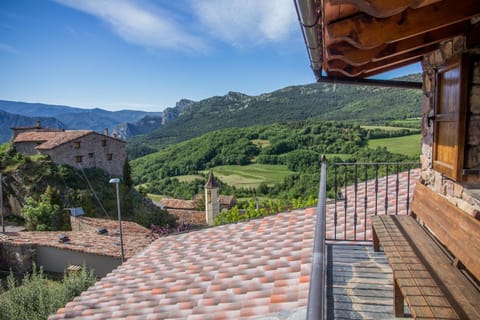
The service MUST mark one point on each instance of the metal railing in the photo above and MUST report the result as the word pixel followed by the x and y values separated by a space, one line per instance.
pixel 357 191
pixel 316 292
pixel 362 190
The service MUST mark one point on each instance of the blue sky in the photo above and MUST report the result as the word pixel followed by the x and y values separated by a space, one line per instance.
pixel 147 54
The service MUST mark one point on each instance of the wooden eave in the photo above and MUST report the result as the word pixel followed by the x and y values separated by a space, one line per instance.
pixel 363 38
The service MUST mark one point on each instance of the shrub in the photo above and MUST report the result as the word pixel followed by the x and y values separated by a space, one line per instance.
pixel 38 297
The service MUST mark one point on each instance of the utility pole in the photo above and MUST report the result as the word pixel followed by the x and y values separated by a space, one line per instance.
pixel 1 202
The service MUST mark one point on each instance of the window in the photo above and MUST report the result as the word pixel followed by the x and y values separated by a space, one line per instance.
pixel 78 159
pixel 109 156
pixel 450 118
pixel 104 143
pixel 91 154
pixel 76 144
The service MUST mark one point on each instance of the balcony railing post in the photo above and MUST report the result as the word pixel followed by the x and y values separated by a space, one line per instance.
pixel 317 291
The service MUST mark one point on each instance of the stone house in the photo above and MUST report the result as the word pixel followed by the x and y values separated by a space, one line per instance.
pixel 77 148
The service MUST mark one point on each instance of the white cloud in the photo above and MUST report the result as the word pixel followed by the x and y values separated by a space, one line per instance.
pixel 140 23
pixel 245 22
pixel 7 48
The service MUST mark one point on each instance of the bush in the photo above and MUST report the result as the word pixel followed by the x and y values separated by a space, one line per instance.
pixel 38 297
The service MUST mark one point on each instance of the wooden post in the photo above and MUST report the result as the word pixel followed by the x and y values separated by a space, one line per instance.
pixel 398 300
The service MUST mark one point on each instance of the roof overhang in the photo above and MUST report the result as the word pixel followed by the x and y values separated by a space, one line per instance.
pixel 357 39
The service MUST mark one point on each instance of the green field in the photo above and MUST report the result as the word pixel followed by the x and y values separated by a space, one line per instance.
pixel 407 145
pixel 385 128
pixel 252 175
pixel 188 178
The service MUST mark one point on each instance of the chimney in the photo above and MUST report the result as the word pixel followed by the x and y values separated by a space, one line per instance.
pixel 105 131
pixel 39 124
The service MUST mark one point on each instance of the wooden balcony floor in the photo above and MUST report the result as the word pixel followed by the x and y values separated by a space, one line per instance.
pixel 359 283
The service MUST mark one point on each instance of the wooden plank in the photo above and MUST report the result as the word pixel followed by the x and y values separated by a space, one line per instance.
pixel 355 57
pixel 463 296
pixel 382 8
pixel 455 229
pixel 366 32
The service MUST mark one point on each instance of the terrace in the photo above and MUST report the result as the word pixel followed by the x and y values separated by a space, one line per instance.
pixel 349 41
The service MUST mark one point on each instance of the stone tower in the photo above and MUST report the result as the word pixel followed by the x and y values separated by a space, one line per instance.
pixel 212 204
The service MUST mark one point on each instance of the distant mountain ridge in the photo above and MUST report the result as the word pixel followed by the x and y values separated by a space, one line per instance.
pixel 356 103
pixel 10 120
pixel 66 117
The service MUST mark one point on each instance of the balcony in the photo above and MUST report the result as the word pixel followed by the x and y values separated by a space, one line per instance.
pixel 349 280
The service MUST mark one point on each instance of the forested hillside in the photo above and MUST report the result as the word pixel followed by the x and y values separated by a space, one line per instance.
pixel 47 189
pixel 361 104
pixel 296 145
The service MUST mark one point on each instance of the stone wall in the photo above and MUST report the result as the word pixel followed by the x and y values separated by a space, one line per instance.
pixel 95 150
pixel 465 194
pixel 16 257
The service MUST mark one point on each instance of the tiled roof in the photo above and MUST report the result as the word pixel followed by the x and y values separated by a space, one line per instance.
pixel 189 216
pixel 179 204
pixel 50 139
pixel 135 239
pixel 259 269
pixel 245 270
pixel 128 227
pixel 226 200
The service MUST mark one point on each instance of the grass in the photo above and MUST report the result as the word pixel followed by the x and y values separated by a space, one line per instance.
pixel 407 145
pixel 251 176
pixel 261 143
pixel 385 128
pixel 155 197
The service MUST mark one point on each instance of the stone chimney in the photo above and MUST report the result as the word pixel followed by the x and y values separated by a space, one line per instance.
pixel 38 125
pixel 105 131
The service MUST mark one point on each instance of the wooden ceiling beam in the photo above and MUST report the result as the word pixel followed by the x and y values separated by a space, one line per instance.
pixel 383 8
pixel 356 57
pixel 354 71
pixel 366 32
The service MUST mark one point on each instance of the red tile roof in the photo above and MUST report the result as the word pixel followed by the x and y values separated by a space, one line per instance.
pixel 250 269
pixel 179 204
pixel 245 270
pixel 135 238
pixel 50 139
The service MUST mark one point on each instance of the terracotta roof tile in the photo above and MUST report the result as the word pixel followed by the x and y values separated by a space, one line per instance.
pixel 252 269
pixel 50 139
pixel 135 238
pixel 234 271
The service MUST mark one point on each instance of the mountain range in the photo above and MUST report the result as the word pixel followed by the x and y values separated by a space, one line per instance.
pixel 18 114
pixel 150 131
pixel 352 103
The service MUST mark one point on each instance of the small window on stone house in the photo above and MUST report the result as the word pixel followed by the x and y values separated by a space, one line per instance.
pixel 78 159
pixel 109 156
pixel 76 144
pixel 451 118
pixel 91 154
pixel 104 143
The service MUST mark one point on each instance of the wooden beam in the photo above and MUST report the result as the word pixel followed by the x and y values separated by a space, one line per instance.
pixel 366 32
pixel 383 8
pixel 473 37
pixel 371 69
pixel 351 55
pixel 371 66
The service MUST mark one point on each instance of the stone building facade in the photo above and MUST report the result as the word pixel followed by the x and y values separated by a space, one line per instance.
pixel 77 148
pixel 455 66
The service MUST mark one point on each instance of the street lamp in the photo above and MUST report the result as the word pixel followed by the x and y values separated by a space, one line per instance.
pixel 116 181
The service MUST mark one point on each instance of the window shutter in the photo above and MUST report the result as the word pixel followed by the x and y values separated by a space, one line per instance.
pixel 450 113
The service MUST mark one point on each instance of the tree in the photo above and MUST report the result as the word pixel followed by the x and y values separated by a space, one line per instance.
pixel 40 215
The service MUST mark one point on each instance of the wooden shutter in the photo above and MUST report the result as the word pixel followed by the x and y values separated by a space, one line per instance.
pixel 450 113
